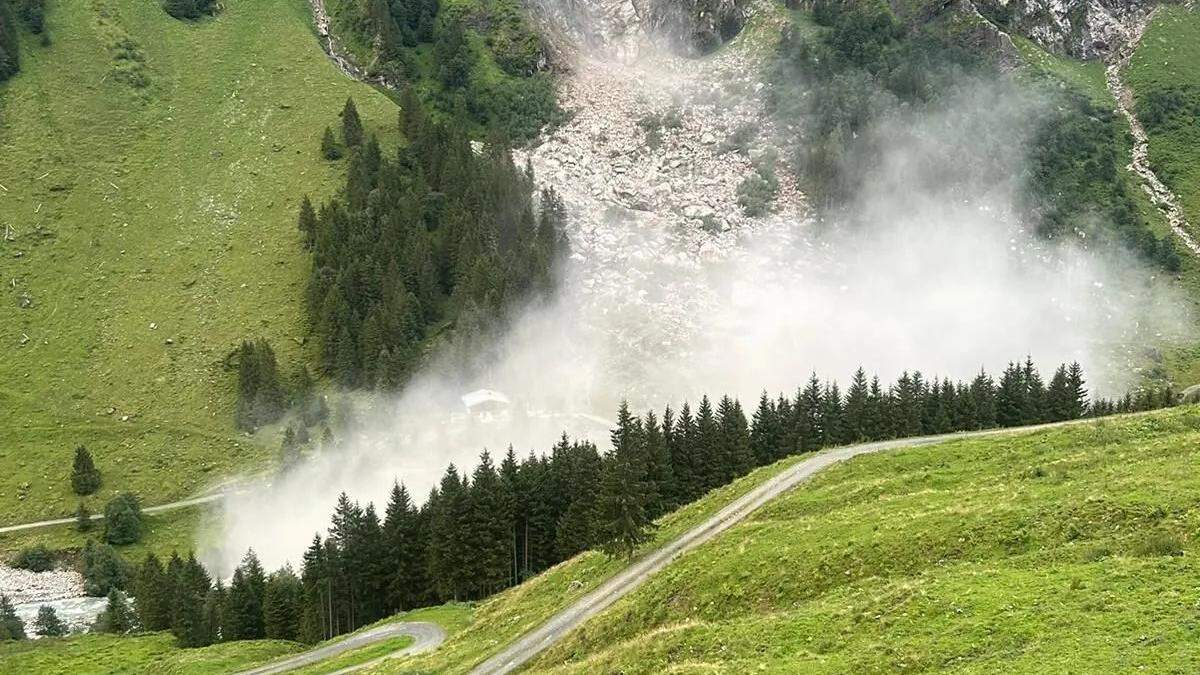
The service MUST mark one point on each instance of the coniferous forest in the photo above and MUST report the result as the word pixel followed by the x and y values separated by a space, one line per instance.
pixel 477 63
pixel 483 530
pixel 441 231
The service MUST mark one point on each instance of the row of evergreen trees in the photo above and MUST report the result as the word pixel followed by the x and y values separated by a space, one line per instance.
pixel 482 531
pixel 437 232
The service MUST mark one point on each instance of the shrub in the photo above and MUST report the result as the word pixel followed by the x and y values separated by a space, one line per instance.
pixel 1156 544
pixel 117 617
pixel 48 624
pixel 103 569
pixel 757 192
pixel 123 520
pixel 35 559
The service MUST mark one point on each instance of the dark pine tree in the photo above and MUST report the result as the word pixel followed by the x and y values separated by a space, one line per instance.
pixel 11 625
pixel 623 520
pixel 47 623
pixel 85 477
pixel 154 595
pixel 352 129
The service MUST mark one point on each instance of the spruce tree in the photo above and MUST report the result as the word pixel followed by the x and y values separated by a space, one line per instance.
pixel 406 549
pixel 83 518
pixel 623 521
pixel 983 394
pixel 1058 397
pixel 876 418
pixel 490 528
pixel 764 432
pixel 243 605
pixel 307 222
pixel 214 612
pixel 683 460
pixel 352 129
pixel 154 595
pixel 706 451
pixel 659 471
pixel 314 623
pixel 735 440
pixel 1077 397
pixel 1034 409
pixel 123 520
pixel 577 526
pixel 855 411
pixel 807 409
pixel 330 149
pixel 116 617
pixel 1011 407
pixel 48 624
pixel 831 415
pixel 281 605
pixel 103 569
pixel 11 626
pixel 85 477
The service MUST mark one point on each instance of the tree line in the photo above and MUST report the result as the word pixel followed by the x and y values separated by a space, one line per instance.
pixel 489 528
pixel 438 232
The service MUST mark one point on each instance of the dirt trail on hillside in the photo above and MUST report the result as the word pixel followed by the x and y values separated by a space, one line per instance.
pixel 1159 193
pixel 539 639
pixel 425 635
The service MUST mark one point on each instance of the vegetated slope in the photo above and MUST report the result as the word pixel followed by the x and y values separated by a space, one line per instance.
pixel 1165 77
pixel 1063 549
pixel 158 653
pixel 508 615
pixel 152 170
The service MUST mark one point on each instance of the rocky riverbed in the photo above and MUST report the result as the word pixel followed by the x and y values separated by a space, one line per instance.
pixel 61 589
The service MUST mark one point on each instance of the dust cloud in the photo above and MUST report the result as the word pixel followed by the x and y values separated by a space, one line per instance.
pixel 653 308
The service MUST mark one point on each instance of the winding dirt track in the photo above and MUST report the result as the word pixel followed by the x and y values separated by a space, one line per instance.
pixel 161 508
pixel 425 636
pixel 537 640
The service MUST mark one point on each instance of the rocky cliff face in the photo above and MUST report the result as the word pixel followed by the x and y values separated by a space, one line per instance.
pixel 1088 29
pixel 619 28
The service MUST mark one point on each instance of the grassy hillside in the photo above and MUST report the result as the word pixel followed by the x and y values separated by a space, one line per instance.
pixel 508 615
pixel 151 171
pixel 156 653
pixel 1165 77
pixel 1063 550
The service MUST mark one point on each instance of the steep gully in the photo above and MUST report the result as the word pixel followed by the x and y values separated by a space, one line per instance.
pixel 1159 193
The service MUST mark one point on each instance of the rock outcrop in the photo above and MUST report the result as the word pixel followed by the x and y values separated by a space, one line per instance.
pixel 621 28
pixel 1087 29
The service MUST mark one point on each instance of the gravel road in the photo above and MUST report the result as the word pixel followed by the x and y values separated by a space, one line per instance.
pixel 537 640
pixel 425 636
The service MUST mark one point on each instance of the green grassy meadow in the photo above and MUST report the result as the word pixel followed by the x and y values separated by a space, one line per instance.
pixel 507 615
pixel 156 653
pixel 150 229
pixel 1069 550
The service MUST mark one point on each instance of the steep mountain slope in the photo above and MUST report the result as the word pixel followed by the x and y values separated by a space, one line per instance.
pixel 151 170
pixel 972 555
pixel 1164 74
